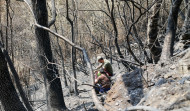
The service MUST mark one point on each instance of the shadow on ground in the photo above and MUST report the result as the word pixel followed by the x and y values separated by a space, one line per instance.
pixel 134 85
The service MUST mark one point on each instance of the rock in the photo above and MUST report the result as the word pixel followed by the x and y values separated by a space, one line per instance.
pixel 187 95
pixel 173 67
pixel 178 46
pixel 168 75
pixel 170 80
pixel 160 82
pixel 186 45
pixel 119 109
pixel 182 81
pixel 185 36
pixel 117 104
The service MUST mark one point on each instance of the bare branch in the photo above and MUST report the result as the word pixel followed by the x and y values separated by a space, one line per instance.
pixel 94 96
pixel 99 11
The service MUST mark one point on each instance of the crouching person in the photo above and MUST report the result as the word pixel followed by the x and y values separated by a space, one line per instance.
pixel 102 83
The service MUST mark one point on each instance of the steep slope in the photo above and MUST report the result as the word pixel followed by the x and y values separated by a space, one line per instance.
pixel 168 86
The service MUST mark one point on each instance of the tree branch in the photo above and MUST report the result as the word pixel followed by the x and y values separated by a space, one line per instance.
pixel 94 96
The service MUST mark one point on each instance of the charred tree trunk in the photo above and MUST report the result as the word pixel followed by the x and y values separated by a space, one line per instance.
pixel 186 24
pixel 152 32
pixel 167 50
pixel 55 97
pixel 16 79
pixel 8 95
pixel 7 20
pixel 73 50
pixel 62 58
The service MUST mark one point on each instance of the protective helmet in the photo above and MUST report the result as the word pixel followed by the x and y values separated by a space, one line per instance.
pixel 99 57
